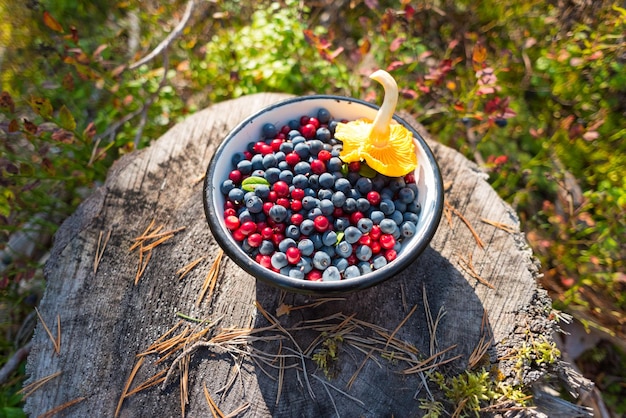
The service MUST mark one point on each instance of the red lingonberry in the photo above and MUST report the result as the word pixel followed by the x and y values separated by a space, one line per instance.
pixel 296 218
pixel 266 207
pixel 314 275
pixel 390 255
pixel 314 122
pixel 280 227
pixel 318 166
pixel 265 261
pixel 321 223
pixel 238 235
pixel 277 238
pixel 324 155
pixel 230 212
pixel 283 201
pixel 255 239
pixel 338 212
pixel 261 225
pixel 248 155
pixel 229 205
pixel 387 241
pixel 292 158
pixel 375 233
pixel 409 178
pixel 373 197
pixel 308 131
pixel 293 255
pixel 248 227
pixel 235 176
pixel 365 240
pixel 272 196
pixel 297 194
pixel 352 260
pixel 232 222
pixel 304 120
pixel 354 166
pixel 375 246
pixel 285 129
pixel 281 188
pixel 267 232
pixel 296 205
pixel 355 217
pixel 266 149
pixel 257 146
pixel 281 135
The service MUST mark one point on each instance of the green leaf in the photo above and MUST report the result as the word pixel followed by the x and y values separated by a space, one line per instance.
pixel 252 182
pixel 67 120
pixel 42 107
pixel 339 237
pixel 344 169
pixel 367 171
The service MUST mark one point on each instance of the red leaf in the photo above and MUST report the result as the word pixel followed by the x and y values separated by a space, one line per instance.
pixel 51 22
pixel 90 130
pixel 395 65
pixel 61 135
pixel 372 4
pixel 409 11
pixel 408 94
pixel 396 44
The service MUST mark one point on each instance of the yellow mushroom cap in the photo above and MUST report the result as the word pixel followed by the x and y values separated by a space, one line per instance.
pixel 384 145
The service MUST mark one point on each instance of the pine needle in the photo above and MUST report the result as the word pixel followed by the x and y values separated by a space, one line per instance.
pixel 182 272
pixel 141 242
pixel 148 383
pixel 56 341
pixel 184 384
pixel 129 381
pixel 211 279
pixel 101 246
pixel 454 210
pixel 358 370
pixel 61 407
pixel 395 331
pixel 469 268
pixel 240 409
pixel 29 389
pixel 499 225
pixel 215 411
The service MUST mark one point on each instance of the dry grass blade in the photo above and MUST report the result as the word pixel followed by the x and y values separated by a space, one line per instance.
pixel 468 266
pixel 141 267
pixel 56 341
pixel 182 272
pixel 211 279
pixel 29 389
pixel 215 411
pixel 454 210
pixel 129 381
pixel 154 345
pixel 459 408
pixel 395 331
pixel 499 225
pixel 61 407
pixel 101 246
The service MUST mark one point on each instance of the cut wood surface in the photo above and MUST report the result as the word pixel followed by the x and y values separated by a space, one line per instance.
pixel 113 306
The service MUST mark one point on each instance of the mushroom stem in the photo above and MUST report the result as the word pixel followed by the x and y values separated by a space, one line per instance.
pixel 380 128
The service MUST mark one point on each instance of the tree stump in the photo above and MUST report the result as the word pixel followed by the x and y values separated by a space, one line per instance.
pixel 470 300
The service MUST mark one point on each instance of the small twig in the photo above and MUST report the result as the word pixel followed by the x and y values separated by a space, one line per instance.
pixel 148 383
pixel 480 242
pixel 358 370
pixel 421 366
pixel 360 402
pixel 56 341
pixel 59 408
pixel 13 363
pixel 168 40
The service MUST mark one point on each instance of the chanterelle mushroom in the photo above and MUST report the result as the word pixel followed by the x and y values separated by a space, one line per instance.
pixel 386 146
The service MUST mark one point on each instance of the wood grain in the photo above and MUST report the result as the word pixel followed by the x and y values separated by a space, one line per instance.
pixel 106 320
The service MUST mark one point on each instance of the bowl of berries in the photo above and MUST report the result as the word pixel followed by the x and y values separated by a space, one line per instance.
pixel 324 194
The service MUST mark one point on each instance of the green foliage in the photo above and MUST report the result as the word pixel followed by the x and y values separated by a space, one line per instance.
pixel 327 357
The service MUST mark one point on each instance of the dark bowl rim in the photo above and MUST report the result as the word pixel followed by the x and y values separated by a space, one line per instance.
pixel 317 287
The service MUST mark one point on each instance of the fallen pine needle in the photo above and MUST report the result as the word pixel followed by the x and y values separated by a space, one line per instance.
pixel 238 410
pixel 499 225
pixel 61 407
pixel 29 389
pixel 215 411
pixel 56 341
pixel 102 244
pixel 129 381
pixel 469 268
pixel 454 210
pixel 182 272
pixel 211 278
pixel 358 370
pixel 395 331
pixel 146 247
pixel 151 381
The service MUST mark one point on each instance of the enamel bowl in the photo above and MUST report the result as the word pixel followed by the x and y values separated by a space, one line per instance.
pixel 429 182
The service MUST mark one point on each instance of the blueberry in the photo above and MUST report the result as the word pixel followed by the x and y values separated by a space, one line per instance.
pixel 396 183
pixel 379 262
pixel 269 130
pixel 300 181
pixel 364 185
pixel 310 192
pixel 365 267
pixel 323 134
pixel 317 240
pixel 278 213
pixel 341 264
pixel 294 124
pixel 286 147
pixel 414 207
pixel 332 125
pixel 269 160
pixel 258 173
pixel 387 207
pixel 321 260
pixel 272 175
pixel 307 226
pixel 406 195
pixel 314 213
pixel 342 185
pixel 309 202
pixel 293 232
pixel 238 156
pixel 352 234
pixel 262 190
pixel 279 260
pixel 326 180
pixel 286 176
pixel 257 162
pixel 266 248
pixel 280 156
pixel 363 252
pixel 296 273
pixel 351 272
pixel 387 194
pixel 284 165
pixel 298 139
pixel 324 194
pixel 388 226
pixel 314 181
pixel 397 217
pixel 327 207
pixel 397 246
pixel 400 205
pixel 377 216
pixel 306 247
pixel 331 274
pixel 305 264
pixel 338 199
pixel 245 167
pixel 362 204
pixel 329 249
pixel 334 164
pixel 302 149
pixel 329 238
pixel 236 195
pixel 323 116
pixel 302 168
pixel 254 204
pixel 285 244
pixel 245 216
pixel 353 177
pixel 396 233
pixel 410 216
pixel 341 224
pixel 350 205
pixel 378 182
pixel 245 245
pixel 365 225
pixel 315 146
pixel 226 186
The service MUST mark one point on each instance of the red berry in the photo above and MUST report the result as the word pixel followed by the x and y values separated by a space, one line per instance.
pixel 285 129
pixel 261 225
pixel 324 155
pixel 266 207
pixel 304 120
pixel 235 176
pixel 229 205
pixel 296 218
pixel 409 178
pixel 283 201
pixel 338 212
pixel 254 240
pixel 296 205
pixel 248 155
pixel 387 241
pixel 352 260
pixel 375 246
pixel 232 222
pixel 297 194
pixel 279 228
pixel 373 197
pixel 229 212
pixel 318 166
pixel 281 135
pixel 314 275
pixel 238 235
pixel 308 131
pixel 277 238
pixel 314 122
pixel 292 158
pixel 293 255
pixel 321 223
pixel 390 255
pixel 258 146
pixel 272 196
pixel 375 233
pixel 281 188
pixel 267 232
pixel 354 166
pixel 365 240
pixel 355 217
pixel 266 149
pixel 247 227
pixel 265 261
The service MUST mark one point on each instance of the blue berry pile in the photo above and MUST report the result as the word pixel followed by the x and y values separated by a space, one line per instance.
pixel 296 208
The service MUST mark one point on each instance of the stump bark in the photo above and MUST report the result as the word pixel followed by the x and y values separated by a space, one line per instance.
pixel 457 297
